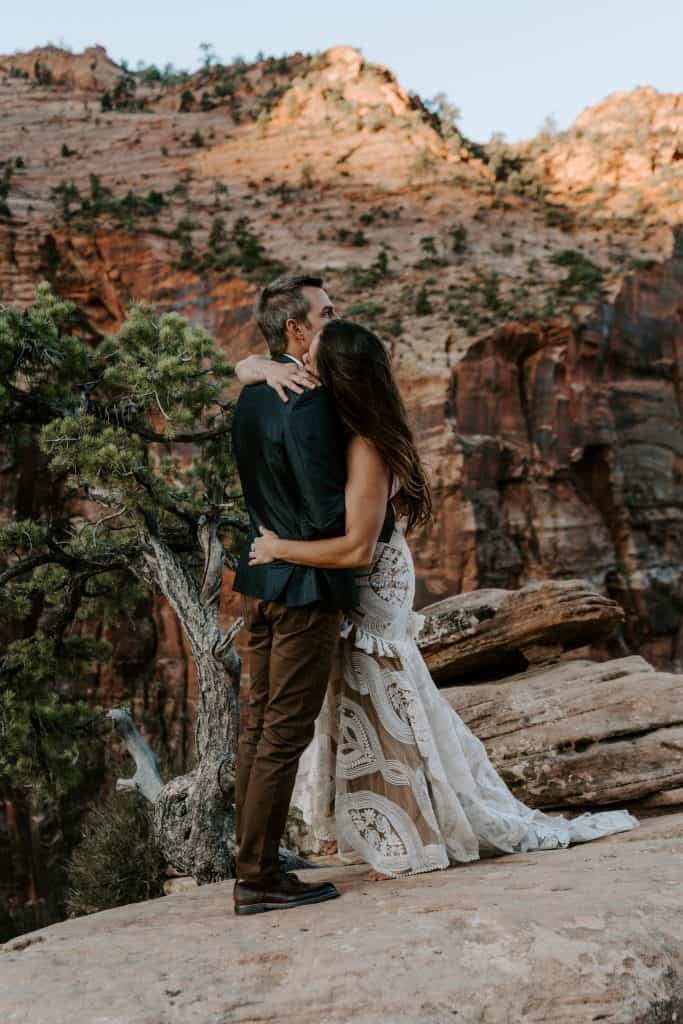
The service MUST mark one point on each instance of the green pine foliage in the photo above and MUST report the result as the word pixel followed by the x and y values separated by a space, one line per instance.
pixel 226 250
pixel 107 422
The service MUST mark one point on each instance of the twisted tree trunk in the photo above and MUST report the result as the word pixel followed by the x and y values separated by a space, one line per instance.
pixel 194 814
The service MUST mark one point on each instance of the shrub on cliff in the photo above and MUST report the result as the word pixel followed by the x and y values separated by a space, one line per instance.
pixel 117 861
pixel 458 235
pixel 42 73
pixel 186 101
pixel 583 278
pixel 423 306
pixel 103 203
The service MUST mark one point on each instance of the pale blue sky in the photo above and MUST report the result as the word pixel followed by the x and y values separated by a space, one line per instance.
pixel 506 64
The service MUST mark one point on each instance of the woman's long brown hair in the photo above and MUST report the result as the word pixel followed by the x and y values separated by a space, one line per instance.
pixel 354 366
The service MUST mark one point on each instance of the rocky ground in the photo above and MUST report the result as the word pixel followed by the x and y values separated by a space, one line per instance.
pixel 593 933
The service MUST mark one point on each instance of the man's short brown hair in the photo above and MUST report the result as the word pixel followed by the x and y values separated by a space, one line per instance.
pixel 282 300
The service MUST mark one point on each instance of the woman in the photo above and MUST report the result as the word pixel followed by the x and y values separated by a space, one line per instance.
pixel 394 775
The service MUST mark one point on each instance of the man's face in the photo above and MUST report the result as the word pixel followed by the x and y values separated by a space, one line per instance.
pixel 320 311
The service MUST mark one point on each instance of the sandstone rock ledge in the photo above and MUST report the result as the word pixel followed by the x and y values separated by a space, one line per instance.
pixel 586 934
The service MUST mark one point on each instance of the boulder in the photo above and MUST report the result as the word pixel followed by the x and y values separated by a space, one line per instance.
pixel 581 733
pixel 488 632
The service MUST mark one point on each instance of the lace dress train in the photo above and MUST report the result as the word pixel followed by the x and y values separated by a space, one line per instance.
pixel 393 773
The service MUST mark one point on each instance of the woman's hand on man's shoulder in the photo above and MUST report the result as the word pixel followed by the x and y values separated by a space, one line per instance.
pixel 289 376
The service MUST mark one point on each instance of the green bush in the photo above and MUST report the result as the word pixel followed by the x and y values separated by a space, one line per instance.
pixel 583 277
pixel 458 239
pixel 123 96
pixel 491 291
pixel 251 253
pixel 186 101
pixel 428 245
pixel 183 232
pixel 117 860
pixel 42 73
pixel 559 217
pixel 643 263
pixel 368 309
pixel 103 202
pixel 423 306
pixel 218 237
pixel 360 279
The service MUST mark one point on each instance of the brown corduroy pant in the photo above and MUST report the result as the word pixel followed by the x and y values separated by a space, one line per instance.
pixel 290 657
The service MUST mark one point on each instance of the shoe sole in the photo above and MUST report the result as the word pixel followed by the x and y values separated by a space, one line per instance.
pixel 261 908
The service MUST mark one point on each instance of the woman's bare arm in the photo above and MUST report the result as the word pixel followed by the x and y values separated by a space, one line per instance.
pixel 367 492
pixel 256 369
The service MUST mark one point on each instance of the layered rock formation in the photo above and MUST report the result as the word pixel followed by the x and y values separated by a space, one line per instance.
pixel 488 632
pixel 565 731
pixel 582 733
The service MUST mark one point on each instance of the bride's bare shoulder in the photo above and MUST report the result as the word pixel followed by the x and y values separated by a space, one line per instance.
pixel 362 448
pixel 364 458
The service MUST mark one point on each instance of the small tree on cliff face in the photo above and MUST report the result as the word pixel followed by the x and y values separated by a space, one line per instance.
pixel 136 431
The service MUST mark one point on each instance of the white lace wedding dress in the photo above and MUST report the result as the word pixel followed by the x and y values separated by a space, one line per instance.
pixel 393 773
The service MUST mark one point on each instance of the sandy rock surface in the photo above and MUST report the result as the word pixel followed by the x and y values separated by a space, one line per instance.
pixel 585 934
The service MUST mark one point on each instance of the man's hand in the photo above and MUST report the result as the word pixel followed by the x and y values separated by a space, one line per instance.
pixel 289 375
pixel 263 548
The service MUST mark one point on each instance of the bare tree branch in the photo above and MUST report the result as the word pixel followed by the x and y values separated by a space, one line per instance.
pixel 147 779
pixel 24 566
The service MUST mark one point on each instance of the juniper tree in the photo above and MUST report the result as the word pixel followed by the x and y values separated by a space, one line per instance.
pixel 134 432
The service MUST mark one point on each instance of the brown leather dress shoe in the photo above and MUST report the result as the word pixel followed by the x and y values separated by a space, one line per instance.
pixel 284 892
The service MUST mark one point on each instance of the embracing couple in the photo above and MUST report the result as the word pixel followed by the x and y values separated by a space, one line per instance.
pixel 333 481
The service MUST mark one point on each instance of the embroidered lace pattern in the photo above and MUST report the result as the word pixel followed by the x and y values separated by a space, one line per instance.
pixel 393 773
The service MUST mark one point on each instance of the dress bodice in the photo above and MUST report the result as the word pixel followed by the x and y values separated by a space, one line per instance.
pixel 384 618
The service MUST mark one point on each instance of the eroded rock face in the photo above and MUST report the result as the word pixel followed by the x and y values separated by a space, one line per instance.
pixel 564 455
pixel 621 156
pixel 90 70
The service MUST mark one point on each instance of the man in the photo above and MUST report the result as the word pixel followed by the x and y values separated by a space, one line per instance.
pixel 291 460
